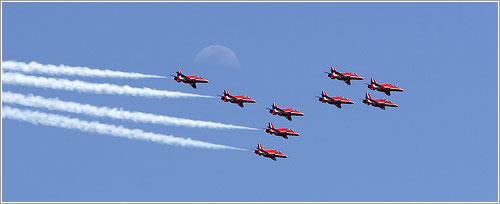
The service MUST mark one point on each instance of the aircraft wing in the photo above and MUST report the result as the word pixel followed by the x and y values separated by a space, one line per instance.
pixel 331 99
pixel 340 74
pixel 189 80
pixel 265 153
pixel 378 103
pixel 238 100
pixel 384 88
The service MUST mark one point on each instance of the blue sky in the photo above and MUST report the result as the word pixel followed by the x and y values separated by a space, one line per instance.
pixel 440 145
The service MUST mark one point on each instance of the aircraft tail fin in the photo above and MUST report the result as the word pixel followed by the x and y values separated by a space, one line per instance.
pixel 179 72
pixel 323 94
pixel 368 96
pixel 332 69
pixel 270 125
pixel 373 81
pixel 260 147
pixel 226 93
pixel 274 106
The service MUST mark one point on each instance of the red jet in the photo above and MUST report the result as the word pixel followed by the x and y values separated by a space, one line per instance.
pixel 381 103
pixel 386 88
pixel 191 80
pixel 236 99
pixel 346 76
pixel 335 100
pixel 282 132
pixel 285 112
pixel 270 153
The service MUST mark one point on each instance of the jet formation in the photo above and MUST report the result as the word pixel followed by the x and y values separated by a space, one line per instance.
pixel 287 113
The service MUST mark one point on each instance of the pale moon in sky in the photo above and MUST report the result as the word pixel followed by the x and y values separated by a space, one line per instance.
pixel 217 56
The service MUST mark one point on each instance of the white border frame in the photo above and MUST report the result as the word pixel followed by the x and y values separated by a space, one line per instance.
pixel 258 1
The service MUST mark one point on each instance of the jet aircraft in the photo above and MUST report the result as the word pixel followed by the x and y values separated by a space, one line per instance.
pixel 191 80
pixel 282 132
pixel 272 154
pixel 334 100
pixel 381 103
pixel 285 112
pixel 346 76
pixel 386 88
pixel 236 99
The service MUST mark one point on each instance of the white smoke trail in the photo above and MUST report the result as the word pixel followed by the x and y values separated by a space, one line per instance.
pixel 72 107
pixel 34 67
pixel 35 117
pixel 88 87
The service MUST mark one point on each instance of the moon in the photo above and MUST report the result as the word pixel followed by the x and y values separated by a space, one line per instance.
pixel 217 56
